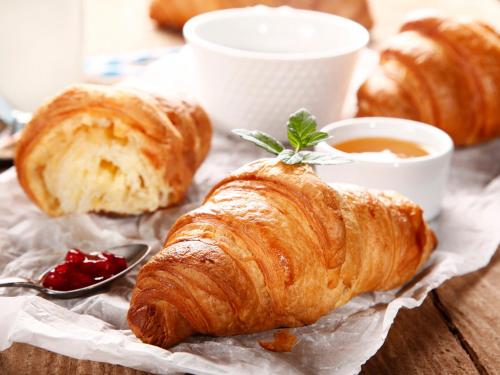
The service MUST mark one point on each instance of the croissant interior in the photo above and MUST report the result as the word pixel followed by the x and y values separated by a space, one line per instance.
pixel 96 149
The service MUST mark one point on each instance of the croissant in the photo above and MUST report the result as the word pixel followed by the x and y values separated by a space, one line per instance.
pixel 174 13
pixel 274 246
pixel 441 71
pixel 112 150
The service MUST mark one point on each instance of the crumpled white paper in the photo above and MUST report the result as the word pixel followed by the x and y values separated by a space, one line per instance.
pixel 95 327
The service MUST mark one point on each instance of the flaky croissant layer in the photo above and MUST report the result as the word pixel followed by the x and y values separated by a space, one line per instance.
pixel 441 71
pixel 108 149
pixel 273 246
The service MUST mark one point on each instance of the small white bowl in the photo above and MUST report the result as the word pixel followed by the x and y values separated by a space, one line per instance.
pixel 255 66
pixel 422 179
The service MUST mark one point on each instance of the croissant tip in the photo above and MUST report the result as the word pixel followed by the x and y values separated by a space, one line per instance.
pixel 138 318
pixel 143 321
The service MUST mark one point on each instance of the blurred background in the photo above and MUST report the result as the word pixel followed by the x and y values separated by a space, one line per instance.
pixel 48 45
pixel 115 26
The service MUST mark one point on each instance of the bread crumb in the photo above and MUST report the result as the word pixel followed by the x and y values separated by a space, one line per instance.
pixel 284 341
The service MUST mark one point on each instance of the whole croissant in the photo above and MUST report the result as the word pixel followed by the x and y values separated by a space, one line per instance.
pixel 174 13
pixel 441 71
pixel 108 149
pixel 274 246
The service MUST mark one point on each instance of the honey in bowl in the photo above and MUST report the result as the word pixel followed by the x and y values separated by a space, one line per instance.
pixel 388 148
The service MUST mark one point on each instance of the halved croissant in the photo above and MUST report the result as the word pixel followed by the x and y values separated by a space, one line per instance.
pixel 441 71
pixel 109 149
pixel 274 246
pixel 174 13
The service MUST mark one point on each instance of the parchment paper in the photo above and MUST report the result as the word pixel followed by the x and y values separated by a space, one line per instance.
pixel 95 328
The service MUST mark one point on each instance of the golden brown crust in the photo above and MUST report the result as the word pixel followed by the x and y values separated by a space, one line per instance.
pixel 441 71
pixel 174 13
pixel 172 135
pixel 273 246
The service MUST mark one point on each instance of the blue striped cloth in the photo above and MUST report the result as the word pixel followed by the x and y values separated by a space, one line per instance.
pixel 115 67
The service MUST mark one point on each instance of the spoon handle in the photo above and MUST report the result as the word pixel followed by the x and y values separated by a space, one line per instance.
pixel 17 281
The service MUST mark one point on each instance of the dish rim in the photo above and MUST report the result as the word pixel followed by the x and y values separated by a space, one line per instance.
pixel 442 137
pixel 192 36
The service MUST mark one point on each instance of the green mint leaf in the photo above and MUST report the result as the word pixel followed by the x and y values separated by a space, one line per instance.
pixel 294 140
pixel 290 157
pixel 322 158
pixel 300 125
pixel 263 140
pixel 315 138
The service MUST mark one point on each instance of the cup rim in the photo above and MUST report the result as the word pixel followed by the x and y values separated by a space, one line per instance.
pixel 192 36
pixel 439 134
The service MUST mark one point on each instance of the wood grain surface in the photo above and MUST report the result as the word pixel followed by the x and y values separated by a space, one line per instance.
pixel 455 331
pixel 471 307
pixel 419 343
pixel 26 359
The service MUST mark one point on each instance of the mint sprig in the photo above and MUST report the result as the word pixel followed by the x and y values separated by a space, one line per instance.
pixel 302 133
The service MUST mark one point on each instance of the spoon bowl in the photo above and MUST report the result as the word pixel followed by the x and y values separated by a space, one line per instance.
pixel 133 253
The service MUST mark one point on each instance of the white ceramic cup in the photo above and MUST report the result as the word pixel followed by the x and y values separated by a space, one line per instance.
pixel 422 179
pixel 255 66
pixel 41 49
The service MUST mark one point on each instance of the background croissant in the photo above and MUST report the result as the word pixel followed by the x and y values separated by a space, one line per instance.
pixel 274 246
pixel 174 13
pixel 441 71
pixel 109 149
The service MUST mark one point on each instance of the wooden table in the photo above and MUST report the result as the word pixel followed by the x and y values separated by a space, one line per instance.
pixel 455 331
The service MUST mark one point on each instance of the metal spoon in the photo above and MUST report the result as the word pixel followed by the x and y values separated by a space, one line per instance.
pixel 12 119
pixel 12 122
pixel 133 253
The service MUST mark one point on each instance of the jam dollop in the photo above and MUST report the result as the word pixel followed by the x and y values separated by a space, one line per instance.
pixel 80 269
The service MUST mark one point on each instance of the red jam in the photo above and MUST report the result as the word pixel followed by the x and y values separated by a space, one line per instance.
pixel 80 270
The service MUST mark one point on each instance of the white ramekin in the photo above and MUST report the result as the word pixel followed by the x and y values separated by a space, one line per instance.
pixel 422 179
pixel 255 66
